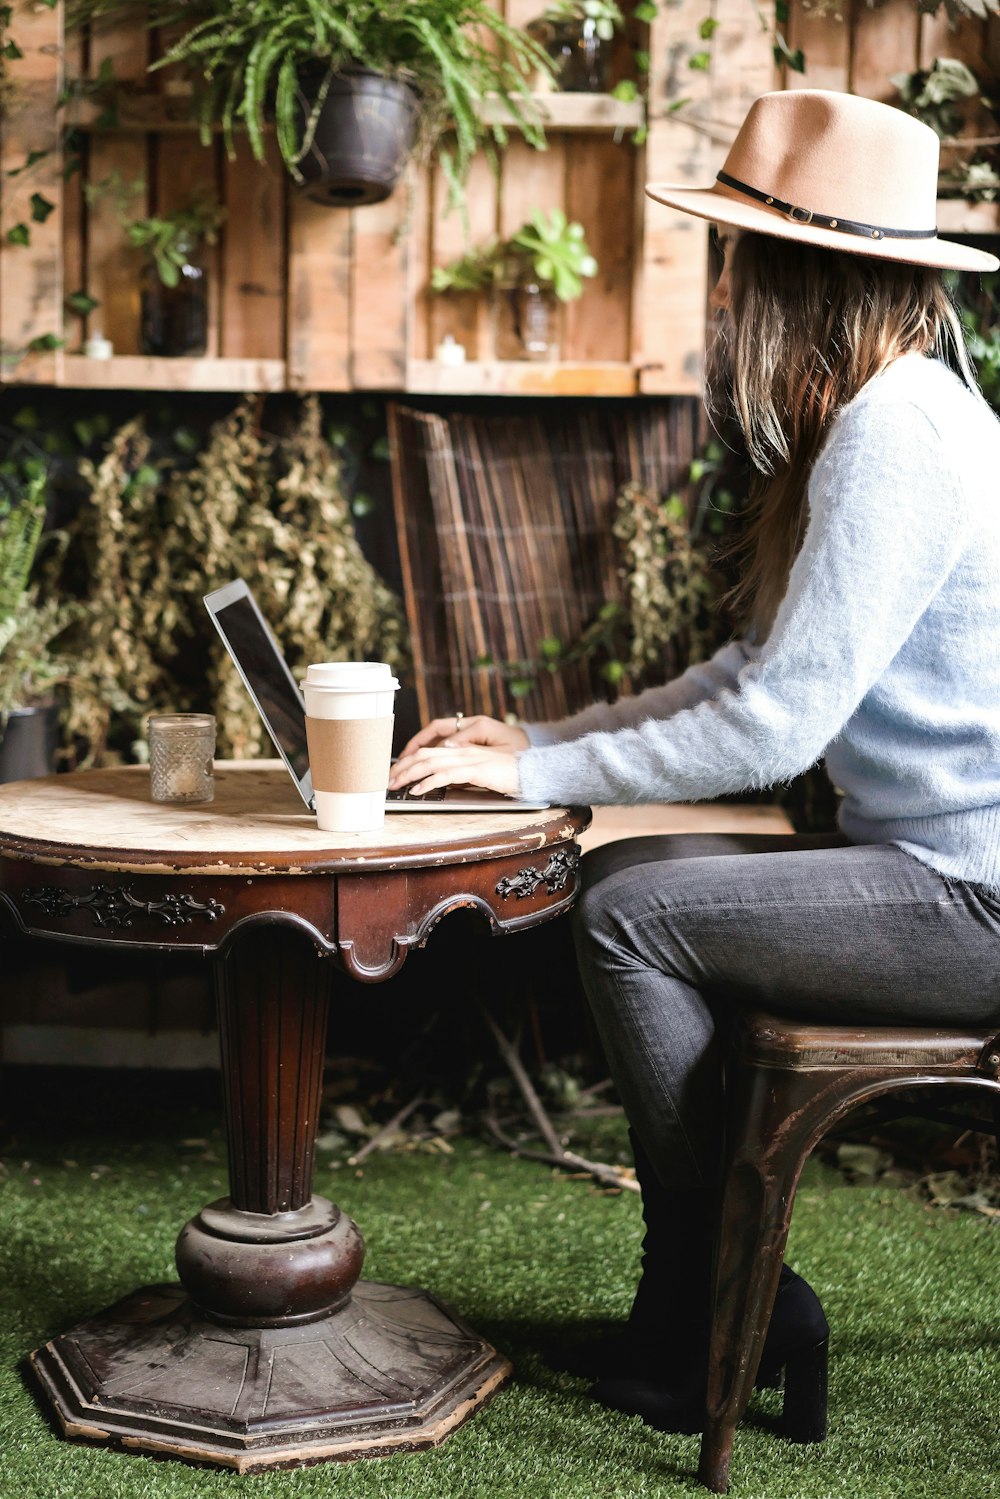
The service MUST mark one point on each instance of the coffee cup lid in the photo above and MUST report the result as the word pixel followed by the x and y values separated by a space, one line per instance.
pixel 350 676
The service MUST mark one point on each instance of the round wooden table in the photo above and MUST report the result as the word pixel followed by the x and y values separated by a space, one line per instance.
pixel 271 1351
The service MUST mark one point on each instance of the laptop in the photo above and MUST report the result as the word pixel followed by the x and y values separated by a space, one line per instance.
pixel 257 657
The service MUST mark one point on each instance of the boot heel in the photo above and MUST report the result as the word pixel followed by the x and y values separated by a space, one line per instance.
pixel 804 1415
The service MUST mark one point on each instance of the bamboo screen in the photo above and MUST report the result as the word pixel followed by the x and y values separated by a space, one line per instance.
pixel 505 533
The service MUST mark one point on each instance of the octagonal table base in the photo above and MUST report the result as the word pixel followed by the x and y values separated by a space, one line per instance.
pixel 393 1371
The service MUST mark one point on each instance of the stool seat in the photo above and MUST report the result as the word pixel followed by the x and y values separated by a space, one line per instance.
pixel 788 1082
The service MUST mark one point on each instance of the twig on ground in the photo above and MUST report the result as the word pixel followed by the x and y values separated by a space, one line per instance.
pixel 556 1155
pixel 386 1130
pixel 609 1176
pixel 535 1106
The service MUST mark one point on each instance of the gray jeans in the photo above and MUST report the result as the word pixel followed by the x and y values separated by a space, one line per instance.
pixel 675 933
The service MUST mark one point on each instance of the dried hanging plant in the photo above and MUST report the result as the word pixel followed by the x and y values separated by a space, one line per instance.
pixel 149 543
pixel 120 664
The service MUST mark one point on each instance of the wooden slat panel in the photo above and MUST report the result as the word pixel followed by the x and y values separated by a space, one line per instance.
pixel 826 43
pixel 465 316
pixel 31 282
pixel 419 268
pixel 182 169
pixel 671 328
pixel 742 69
pixel 885 41
pixel 74 212
pixel 600 187
pixel 319 296
pixel 112 268
pixel 252 289
pixel 379 307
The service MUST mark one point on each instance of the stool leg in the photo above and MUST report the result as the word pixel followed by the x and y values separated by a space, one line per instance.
pixel 772 1134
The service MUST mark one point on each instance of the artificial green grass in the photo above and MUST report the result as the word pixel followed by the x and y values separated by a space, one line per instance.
pixel 93 1200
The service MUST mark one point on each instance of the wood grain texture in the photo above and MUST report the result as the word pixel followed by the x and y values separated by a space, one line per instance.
pixel 600 191
pixel 319 296
pixel 826 42
pixel 885 40
pixel 31 276
pixel 380 308
pixel 466 316
pixel 112 268
pixel 253 270
pixel 256 813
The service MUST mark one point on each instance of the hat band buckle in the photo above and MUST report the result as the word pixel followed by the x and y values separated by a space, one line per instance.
pixel 809 216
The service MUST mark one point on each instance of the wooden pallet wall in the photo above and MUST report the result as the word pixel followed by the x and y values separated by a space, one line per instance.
pixel 311 298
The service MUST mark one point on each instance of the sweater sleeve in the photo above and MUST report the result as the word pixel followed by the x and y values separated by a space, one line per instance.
pixel 704 680
pixel 887 520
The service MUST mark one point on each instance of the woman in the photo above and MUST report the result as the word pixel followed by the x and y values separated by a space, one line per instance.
pixel 871 598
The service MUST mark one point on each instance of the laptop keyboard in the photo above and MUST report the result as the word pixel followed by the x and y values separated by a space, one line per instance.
pixel 405 794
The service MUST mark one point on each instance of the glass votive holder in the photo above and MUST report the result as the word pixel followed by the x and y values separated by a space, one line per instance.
pixel 181 752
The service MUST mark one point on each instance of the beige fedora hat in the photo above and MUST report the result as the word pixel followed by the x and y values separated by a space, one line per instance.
pixel 834 170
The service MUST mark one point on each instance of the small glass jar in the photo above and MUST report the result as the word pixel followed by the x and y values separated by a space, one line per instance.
pixel 181 753
pixel 174 319
pixel 527 321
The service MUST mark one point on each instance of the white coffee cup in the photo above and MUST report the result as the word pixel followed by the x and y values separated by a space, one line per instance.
pixel 349 722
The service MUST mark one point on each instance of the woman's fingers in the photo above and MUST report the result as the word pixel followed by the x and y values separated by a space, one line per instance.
pixel 463 730
pixel 430 767
pixel 432 733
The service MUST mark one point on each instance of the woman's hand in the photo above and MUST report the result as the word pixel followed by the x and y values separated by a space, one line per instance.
pixel 478 729
pixel 431 766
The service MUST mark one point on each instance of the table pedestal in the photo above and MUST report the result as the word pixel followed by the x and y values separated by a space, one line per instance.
pixel 394 1370
pixel 271 1352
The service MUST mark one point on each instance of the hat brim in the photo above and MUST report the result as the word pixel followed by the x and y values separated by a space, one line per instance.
pixel 717 204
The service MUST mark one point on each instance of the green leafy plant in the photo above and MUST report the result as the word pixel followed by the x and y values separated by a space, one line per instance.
pixel 169 239
pixel 246 57
pixel 29 666
pixel 978 300
pixel 605 14
pixel 949 98
pixel 548 249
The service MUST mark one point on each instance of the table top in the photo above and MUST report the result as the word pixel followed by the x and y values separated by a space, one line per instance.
pixel 104 819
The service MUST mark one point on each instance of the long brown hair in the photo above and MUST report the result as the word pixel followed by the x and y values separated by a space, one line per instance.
pixel 805 329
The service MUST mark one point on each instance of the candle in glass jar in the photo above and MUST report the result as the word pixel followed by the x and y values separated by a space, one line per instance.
pixel 181 754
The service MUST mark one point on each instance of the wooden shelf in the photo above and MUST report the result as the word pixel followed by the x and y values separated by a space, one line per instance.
pixel 573 112
pixel 507 377
pixel 959 216
pixel 139 108
pixel 142 372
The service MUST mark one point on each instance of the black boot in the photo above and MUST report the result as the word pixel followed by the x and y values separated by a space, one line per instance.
pixel 672 1398
pixel 655 1365
pixel 676 1264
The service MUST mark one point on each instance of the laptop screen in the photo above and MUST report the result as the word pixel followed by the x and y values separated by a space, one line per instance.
pixel 263 669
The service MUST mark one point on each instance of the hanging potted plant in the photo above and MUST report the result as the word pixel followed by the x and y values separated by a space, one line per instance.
pixel 30 667
pixel 351 90
pixel 541 264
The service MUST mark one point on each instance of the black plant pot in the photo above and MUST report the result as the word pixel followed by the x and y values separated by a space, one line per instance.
pixel 363 137
pixel 28 743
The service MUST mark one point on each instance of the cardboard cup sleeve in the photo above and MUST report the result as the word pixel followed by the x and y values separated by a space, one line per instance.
pixel 349 754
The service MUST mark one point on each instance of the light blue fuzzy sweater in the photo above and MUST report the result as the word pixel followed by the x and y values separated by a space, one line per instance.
pixel 884 657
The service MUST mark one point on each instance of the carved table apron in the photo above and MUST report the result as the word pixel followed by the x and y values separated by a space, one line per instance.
pixel 271 1352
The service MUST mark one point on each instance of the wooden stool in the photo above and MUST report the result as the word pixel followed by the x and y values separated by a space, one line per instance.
pixel 789 1083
